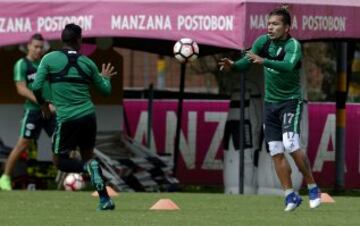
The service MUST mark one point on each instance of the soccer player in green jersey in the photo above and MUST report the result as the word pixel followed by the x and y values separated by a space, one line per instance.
pixel 280 55
pixel 70 75
pixel 33 120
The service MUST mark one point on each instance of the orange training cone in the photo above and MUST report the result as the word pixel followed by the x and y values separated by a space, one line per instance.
pixel 110 191
pixel 326 198
pixel 164 204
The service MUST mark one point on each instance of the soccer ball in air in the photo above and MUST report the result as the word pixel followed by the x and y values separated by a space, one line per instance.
pixel 186 50
pixel 73 182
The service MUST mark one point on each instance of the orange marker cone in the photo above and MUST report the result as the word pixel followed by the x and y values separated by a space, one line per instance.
pixel 110 191
pixel 164 204
pixel 326 198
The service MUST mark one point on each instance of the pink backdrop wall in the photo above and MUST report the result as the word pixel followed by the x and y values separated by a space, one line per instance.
pixel 200 161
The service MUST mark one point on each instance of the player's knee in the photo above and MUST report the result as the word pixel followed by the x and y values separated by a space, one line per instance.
pixel 276 147
pixel 291 141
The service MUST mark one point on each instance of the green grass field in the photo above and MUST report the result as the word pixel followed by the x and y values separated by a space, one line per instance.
pixel 52 208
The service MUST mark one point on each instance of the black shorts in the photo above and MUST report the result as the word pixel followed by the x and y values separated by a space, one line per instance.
pixel 33 122
pixel 281 118
pixel 69 135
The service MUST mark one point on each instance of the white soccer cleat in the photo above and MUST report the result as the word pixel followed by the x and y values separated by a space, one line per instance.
pixel 292 201
pixel 290 207
pixel 314 197
pixel 314 203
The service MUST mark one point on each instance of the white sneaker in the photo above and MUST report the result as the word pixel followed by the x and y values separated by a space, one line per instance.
pixel 292 201
pixel 290 207
pixel 314 197
pixel 314 203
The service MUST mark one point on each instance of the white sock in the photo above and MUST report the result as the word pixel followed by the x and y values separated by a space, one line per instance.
pixel 311 186
pixel 288 191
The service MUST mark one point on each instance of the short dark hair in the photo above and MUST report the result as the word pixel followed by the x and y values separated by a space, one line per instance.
pixel 71 34
pixel 282 11
pixel 36 36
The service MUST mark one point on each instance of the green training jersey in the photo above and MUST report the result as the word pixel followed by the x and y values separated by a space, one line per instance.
pixel 25 71
pixel 282 77
pixel 70 96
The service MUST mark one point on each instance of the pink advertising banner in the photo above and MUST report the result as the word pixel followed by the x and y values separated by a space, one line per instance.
pixel 200 160
pixel 316 20
pixel 321 151
pixel 228 23
pixel 213 23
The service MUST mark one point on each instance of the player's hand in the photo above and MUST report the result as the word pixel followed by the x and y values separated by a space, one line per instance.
pixel 225 64
pixel 256 59
pixel 46 112
pixel 108 70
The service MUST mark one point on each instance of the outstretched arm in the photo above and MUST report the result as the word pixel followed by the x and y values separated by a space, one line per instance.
pixel 245 62
pixel 102 81
pixel 240 65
